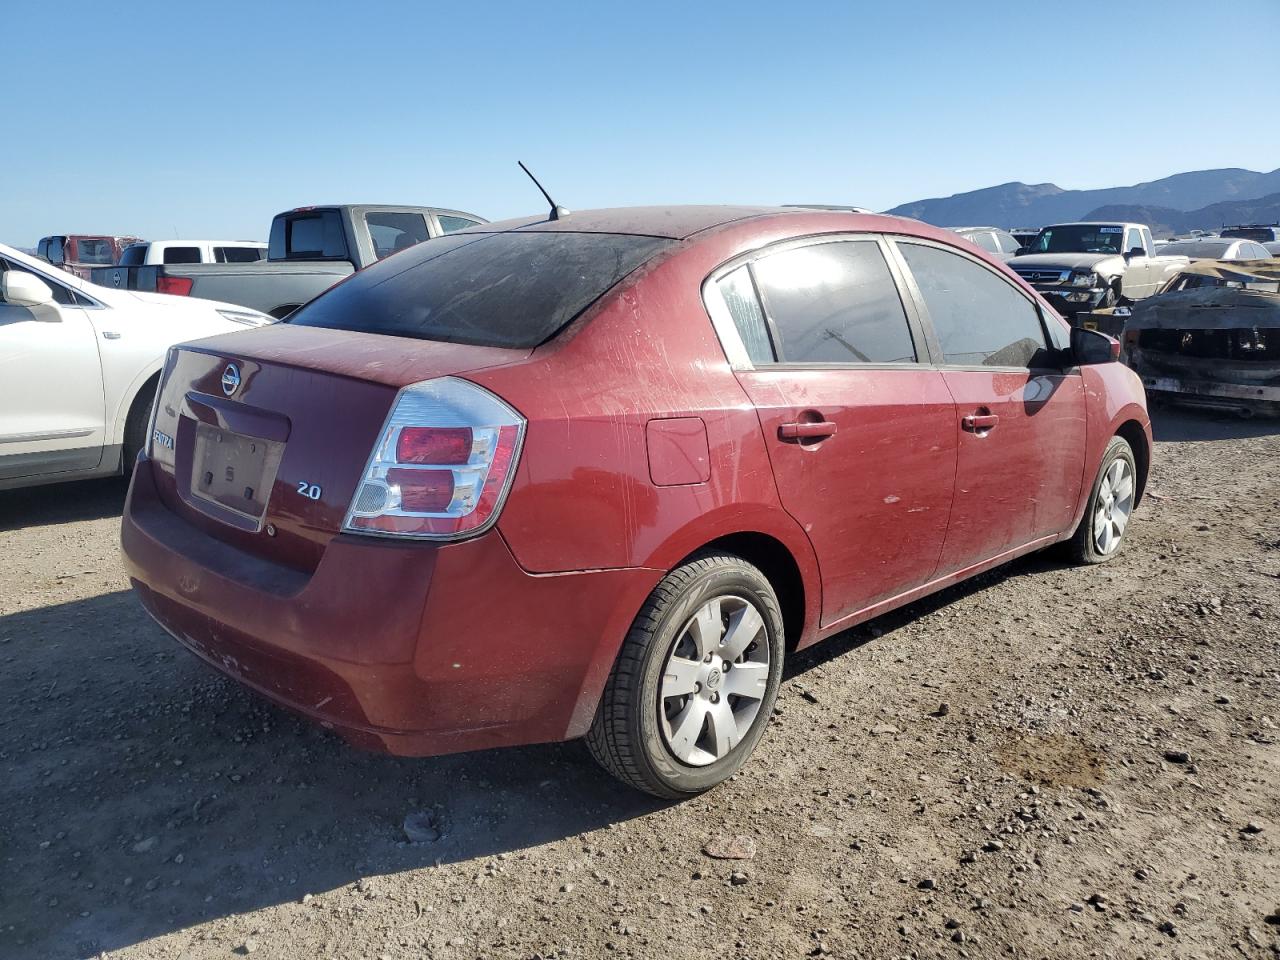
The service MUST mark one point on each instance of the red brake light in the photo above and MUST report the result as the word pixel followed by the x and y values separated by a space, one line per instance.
pixel 442 466
pixel 435 445
pixel 177 286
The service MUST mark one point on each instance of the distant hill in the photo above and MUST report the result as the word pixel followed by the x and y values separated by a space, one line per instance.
pixel 1033 205
pixel 1166 222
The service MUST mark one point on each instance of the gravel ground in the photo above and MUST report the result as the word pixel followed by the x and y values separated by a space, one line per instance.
pixel 1045 762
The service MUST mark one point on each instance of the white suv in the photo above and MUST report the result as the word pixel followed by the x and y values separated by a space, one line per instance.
pixel 79 365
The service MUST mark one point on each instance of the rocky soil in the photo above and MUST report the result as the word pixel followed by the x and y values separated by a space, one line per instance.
pixel 1046 762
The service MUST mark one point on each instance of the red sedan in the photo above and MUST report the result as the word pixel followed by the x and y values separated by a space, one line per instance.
pixel 596 476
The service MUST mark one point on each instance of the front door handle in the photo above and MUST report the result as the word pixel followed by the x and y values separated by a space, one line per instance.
pixel 806 430
pixel 979 422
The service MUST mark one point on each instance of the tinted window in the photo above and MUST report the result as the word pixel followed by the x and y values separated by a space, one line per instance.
pixel 1262 234
pixel 740 298
pixel 980 319
pixel 56 252
pixel 493 289
pixel 133 255
pixel 314 235
pixel 239 254
pixel 181 254
pixel 393 232
pixel 834 303
pixel 449 224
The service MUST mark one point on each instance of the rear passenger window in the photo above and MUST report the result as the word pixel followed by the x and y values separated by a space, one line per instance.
pixel 980 319
pixel 181 254
pixel 834 303
pixel 449 224
pixel 239 254
pixel 740 298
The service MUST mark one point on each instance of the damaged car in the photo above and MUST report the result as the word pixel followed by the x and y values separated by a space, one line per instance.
pixel 1211 337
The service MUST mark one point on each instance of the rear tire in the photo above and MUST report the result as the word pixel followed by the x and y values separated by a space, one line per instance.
pixel 1102 529
pixel 695 682
pixel 135 426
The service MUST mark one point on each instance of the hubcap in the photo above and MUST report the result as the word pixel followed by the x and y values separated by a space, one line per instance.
pixel 714 680
pixel 1113 507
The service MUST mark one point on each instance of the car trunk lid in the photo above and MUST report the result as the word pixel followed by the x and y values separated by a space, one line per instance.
pixel 261 437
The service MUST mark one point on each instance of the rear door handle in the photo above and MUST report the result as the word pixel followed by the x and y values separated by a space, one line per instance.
pixel 806 430
pixel 979 421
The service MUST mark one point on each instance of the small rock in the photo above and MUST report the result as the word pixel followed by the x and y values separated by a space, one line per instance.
pixel 959 937
pixel 307 898
pixel 1177 756
pixel 738 878
pixel 952 923
pixel 993 846
pixel 739 847
pixel 1251 827
pixel 566 888
pixel 1169 928
pixel 968 856
pixel 142 846
pixel 1273 917
pixel 928 883
pixel 884 730
pixel 1141 874
pixel 420 827
pixel 810 696
pixel 250 945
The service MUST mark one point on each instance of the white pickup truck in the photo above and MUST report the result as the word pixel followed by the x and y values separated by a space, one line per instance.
pixel 149 253
pixel 1080 267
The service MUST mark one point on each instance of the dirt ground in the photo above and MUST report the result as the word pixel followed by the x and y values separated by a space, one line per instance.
pixel 1103 781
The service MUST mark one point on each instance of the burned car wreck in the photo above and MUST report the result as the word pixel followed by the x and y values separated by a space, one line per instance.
pixel 1211 337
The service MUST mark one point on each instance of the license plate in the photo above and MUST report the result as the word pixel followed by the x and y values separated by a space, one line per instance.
pixel 234 471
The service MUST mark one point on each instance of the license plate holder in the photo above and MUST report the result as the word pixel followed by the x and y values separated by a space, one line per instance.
pixel 234 471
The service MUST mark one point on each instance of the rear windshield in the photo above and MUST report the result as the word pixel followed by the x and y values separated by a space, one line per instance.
pixel 308 235
pixel 490 289
pixel 1260 234
pixel 95 251
pixel 133 255
pixel 1196 249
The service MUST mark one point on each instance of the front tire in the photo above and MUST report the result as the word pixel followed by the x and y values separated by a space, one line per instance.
pixel 694 685
pixel 1106 516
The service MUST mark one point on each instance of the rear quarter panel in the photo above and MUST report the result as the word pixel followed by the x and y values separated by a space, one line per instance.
pixel 1114 396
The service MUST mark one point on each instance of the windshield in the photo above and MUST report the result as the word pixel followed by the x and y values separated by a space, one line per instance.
pixel 1079 238
pixel 488 289
pixel 1196 281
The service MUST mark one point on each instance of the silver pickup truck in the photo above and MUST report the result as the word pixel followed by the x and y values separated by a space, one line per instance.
pixel 1081 267
pixel 311 249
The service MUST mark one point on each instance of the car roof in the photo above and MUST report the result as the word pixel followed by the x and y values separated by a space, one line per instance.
pixel 1096 223
pixel 966 229
pixel 670 222
pixel 179 243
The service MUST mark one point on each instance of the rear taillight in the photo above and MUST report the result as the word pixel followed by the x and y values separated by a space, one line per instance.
pixel 442 466
pixel 177 286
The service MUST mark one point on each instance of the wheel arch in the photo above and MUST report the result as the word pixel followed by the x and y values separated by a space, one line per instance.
pixel 772 557
pixel 1133 433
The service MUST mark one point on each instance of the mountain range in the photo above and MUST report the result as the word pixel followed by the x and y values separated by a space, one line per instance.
pixel 1203 199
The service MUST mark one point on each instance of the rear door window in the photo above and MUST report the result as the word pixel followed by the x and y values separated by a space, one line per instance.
pixel 392 232
pixel 181 254
pixel 980 318
pixel 739 295
pixel 834 303
pixel 491 289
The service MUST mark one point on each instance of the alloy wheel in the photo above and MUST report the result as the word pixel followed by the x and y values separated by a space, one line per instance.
pixel 1113 507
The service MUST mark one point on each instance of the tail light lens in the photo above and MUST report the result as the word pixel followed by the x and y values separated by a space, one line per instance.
pixel 442 466
pixel 177 286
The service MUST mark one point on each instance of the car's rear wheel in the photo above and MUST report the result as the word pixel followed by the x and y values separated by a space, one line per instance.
pixel 694 685
pixel 1106 517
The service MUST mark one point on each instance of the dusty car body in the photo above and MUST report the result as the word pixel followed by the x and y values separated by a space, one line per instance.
pixel 1212 337
pixel 467 497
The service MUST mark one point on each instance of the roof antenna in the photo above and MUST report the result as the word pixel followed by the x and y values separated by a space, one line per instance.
pixel 557 211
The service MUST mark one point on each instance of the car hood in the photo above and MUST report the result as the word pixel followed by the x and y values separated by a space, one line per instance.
pixel 1207 308
pixel 1064 261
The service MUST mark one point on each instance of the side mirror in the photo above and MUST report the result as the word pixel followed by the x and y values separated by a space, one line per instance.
pixel 1089 346
pixel 23 289
pixel 1135 252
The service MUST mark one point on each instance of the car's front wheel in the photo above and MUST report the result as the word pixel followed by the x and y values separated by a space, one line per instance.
pixel 1111 502
pixel 694 684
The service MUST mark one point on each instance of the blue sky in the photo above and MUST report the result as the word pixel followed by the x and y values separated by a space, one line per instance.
pixel 164 118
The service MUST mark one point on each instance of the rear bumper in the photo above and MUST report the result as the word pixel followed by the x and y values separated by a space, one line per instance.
pixel 409 648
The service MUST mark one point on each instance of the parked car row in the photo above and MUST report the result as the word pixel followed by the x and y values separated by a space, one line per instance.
pixel 674 445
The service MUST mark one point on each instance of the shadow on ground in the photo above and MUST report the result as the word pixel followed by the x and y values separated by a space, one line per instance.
pixel 144 793
pixel 62 503
pixel 1171 423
